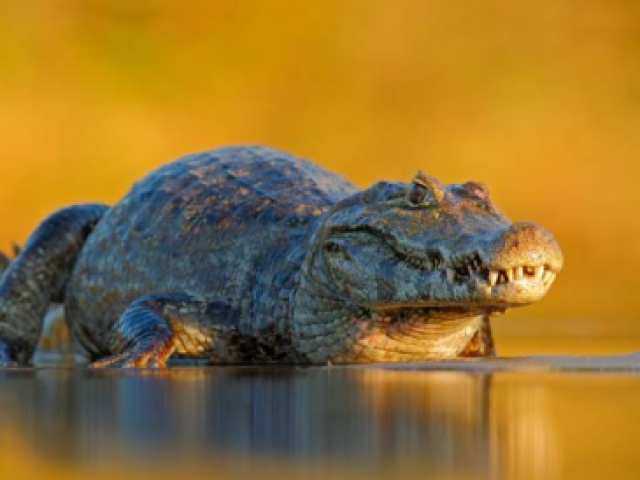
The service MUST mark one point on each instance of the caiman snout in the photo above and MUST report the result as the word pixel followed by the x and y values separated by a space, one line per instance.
pixel 523 261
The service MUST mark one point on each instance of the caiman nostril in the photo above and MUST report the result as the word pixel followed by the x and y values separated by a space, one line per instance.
pixel 528 245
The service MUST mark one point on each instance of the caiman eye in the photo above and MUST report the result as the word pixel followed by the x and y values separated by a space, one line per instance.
pixel 423 191
pixel 418 195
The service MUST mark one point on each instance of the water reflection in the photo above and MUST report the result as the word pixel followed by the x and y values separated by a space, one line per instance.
pixel 362 417
pixel 359 421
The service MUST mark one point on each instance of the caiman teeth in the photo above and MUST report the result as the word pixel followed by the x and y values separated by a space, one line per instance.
pixel 451 275
pixel 519 273
pixel 548 277
pixel 538 273
pixel 464 270
pixel 511 275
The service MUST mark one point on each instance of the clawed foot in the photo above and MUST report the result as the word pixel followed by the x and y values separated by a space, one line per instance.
pixel 151 355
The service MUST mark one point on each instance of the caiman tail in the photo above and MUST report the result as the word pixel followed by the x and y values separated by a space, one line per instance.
pixel 38 277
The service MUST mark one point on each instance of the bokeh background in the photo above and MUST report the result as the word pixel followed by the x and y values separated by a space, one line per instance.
pixel 539 99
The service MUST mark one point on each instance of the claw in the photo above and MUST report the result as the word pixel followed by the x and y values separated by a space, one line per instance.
pixel 154 355
pixel 107 362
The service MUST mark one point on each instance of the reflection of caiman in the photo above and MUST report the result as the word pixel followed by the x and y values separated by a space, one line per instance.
pixel 247 254
pixel 440 425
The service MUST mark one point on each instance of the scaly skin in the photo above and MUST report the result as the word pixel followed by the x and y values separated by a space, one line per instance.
pixel 247 254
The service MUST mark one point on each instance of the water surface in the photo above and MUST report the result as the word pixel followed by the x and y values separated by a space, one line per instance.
pixel 546 417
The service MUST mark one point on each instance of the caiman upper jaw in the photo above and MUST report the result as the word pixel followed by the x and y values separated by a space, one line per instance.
pixel 516 266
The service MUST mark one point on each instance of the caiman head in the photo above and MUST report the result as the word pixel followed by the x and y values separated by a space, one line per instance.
pixel 433 246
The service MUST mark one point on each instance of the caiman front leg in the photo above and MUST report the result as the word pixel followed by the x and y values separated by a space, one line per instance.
pixel 481 344
pixel 38 276
pixel 155 326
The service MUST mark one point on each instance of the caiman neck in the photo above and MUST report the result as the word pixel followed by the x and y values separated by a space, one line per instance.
pixel 326 327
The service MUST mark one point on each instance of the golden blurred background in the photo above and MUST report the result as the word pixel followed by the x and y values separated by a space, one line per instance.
pixel 539 99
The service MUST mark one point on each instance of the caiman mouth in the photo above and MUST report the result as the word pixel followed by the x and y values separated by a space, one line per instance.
pixel 470 267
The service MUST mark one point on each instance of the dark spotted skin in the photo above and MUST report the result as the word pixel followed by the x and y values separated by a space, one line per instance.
pixel 247 254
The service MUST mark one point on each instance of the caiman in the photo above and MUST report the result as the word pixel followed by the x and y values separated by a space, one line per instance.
pixel 250 255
